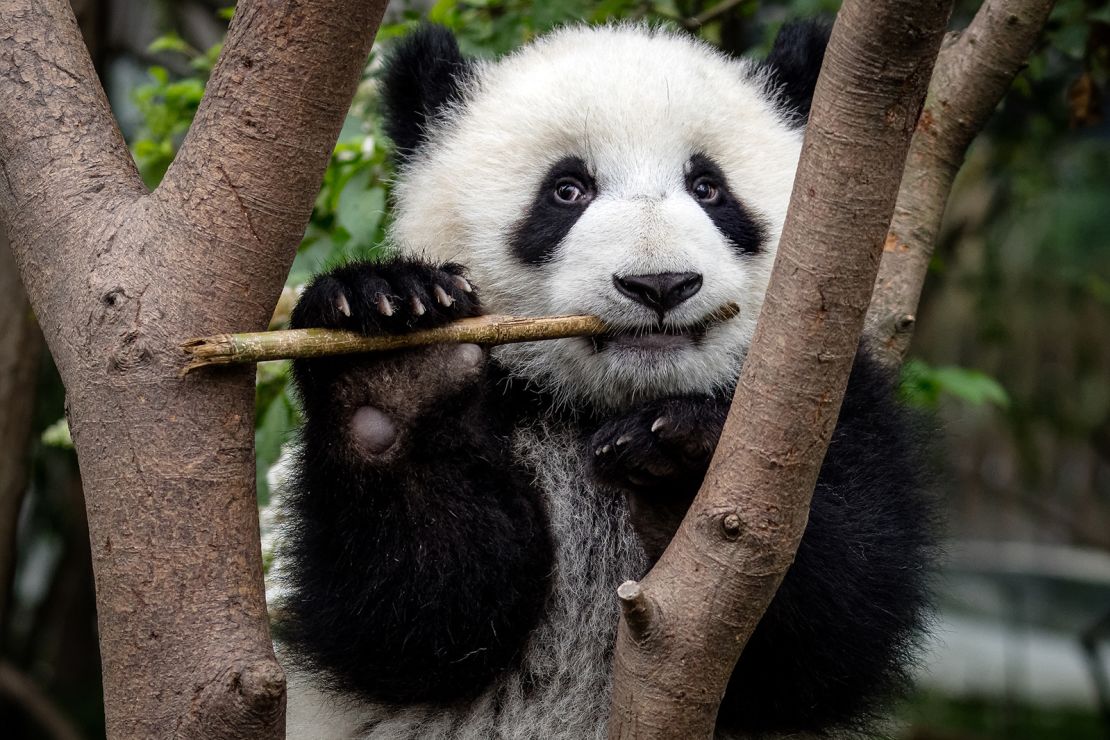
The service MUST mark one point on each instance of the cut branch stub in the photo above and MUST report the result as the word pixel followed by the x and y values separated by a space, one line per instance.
pixel 640 613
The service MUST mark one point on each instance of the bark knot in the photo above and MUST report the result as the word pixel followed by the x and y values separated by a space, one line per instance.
pixel 731 525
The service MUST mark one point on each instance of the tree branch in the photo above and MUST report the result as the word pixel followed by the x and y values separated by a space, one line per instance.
pixel 722 568
pixel 974 70
pixel 116 278
pixel 50 100
pixel 279 75
pixel 251 164
pixel 58 144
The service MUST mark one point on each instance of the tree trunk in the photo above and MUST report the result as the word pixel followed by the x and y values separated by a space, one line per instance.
pixel 686 622
pixel 118 278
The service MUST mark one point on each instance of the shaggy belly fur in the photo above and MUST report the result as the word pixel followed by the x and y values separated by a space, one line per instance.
pixel 561 687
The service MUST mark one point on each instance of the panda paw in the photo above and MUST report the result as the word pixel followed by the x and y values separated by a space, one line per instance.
pixel 661 446
pixel 389 297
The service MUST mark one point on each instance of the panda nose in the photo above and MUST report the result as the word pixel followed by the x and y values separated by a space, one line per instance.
pixel 660 292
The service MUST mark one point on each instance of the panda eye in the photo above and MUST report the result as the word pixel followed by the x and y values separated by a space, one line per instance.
pixel 571 191
pixel 706 191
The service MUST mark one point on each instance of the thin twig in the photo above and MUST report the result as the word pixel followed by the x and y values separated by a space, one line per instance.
pixel 23 692
pixel 227 349
pixel 709 14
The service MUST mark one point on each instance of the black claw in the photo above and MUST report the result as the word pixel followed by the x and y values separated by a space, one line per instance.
pixel 384 306
pixel 441 296
pixel 664 445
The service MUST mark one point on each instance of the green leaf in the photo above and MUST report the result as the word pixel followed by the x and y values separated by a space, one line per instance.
pixel 311 259
pixel 352 131
pixel 57 435
pixel 171 42
pixel 276 423
pixel 923 386
pixel 973 386
pixel 361 209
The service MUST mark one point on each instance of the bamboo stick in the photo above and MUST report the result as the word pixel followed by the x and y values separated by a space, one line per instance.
pixel 229 349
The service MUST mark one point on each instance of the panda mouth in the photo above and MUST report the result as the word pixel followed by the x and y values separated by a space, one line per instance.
pixel 662 338
pixel 652 339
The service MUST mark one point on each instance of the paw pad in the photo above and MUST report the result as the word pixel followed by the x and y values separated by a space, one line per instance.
pixel 373 430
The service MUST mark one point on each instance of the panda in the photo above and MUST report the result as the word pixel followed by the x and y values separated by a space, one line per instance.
pixel 459 518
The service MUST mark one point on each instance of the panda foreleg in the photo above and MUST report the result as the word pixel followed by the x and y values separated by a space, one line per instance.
pixel 840 636
pixel 658 454
pixel 418 554
pixel 836 642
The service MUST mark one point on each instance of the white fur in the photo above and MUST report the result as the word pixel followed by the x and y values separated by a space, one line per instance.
pixel 635 104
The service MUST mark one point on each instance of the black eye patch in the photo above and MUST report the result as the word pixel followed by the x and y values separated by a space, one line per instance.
pixel 744 232
pixel 550 217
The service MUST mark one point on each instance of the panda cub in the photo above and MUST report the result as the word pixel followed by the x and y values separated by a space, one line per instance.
pixel 460 518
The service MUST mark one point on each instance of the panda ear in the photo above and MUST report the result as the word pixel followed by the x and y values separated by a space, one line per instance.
pixel 422 73
pixel 795 61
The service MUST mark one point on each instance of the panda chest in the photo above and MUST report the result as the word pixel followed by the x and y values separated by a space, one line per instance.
pixel 596 550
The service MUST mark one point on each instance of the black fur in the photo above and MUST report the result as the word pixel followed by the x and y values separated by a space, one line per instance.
pixel 729 215
pixel 416 571
pixel 423 73
pixel 838 637
pixel 536 237
pixel 795 61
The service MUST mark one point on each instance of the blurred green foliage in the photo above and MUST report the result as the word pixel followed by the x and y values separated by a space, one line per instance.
pixel 923 385
pixel 982 718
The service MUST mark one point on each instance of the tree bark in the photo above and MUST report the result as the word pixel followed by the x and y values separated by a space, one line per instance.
pixel 974 70
pixel 20 351
pixel 686 622
pixel 118 278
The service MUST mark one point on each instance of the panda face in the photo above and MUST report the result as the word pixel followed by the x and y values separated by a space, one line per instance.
pixel 623 172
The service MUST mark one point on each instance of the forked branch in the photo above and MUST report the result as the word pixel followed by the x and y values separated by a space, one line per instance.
pixel 974 70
